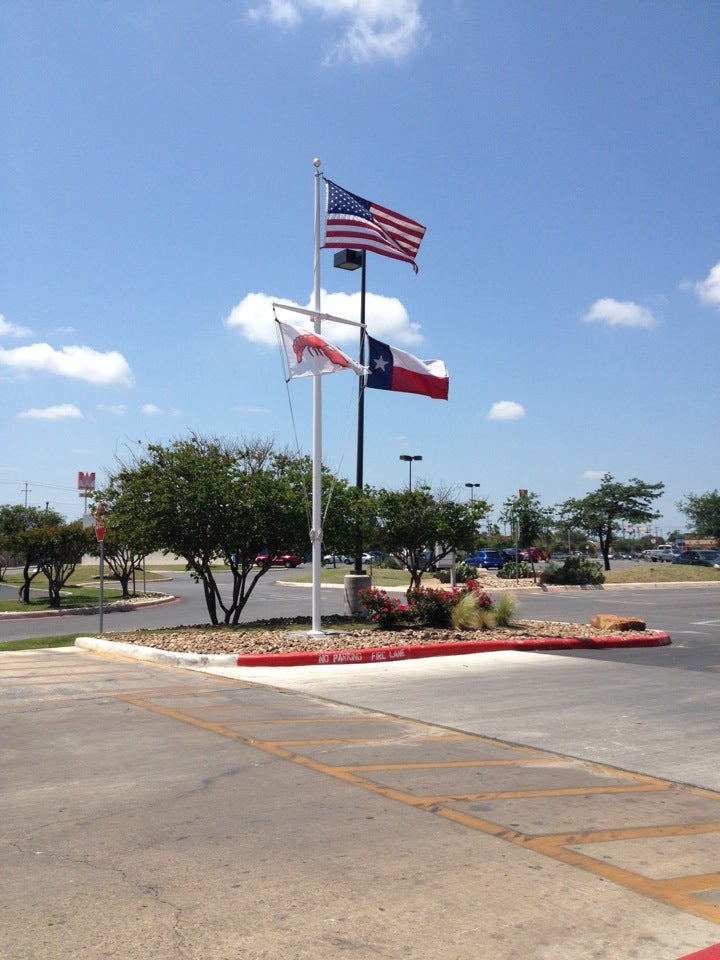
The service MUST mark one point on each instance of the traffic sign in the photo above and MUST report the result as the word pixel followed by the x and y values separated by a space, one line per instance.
pixel 100 532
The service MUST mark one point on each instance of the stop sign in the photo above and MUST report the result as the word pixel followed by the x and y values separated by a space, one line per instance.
pixel 100 532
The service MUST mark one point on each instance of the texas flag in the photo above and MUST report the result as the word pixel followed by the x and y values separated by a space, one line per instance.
pixel 393 369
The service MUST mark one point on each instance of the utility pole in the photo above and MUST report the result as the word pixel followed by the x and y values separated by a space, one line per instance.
pixel 26 493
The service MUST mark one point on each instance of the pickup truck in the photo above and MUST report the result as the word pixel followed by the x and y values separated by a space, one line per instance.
pixel 664 553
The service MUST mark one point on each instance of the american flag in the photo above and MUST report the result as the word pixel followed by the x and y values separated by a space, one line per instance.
pixel 361 225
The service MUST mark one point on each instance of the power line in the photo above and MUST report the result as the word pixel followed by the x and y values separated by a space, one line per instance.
pixel 36 483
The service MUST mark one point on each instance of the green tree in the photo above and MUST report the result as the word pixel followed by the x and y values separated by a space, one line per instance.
pixel 600 512
pixel 119 555
pixel 526 514
pixel 703 512
pixel 349 523
pixel 420 526
pixel 127 541
pixel 14 521
pixel 213 501
pixel 60 548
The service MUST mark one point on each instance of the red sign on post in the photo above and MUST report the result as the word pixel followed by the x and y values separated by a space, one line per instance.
pixel 100 522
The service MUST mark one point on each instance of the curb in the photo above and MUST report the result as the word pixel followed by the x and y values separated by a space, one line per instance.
pixel 710 953
pixel 368 655
pixel 460 647
pixel 115 606
pixel 153 655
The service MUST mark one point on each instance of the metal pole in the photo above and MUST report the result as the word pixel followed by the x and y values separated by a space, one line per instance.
pixel 316 532
pixel 102 580
pixel 361 410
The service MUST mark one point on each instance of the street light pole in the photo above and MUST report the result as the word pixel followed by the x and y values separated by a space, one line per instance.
pixel 351 260
pixel 408 458
pixel 472 490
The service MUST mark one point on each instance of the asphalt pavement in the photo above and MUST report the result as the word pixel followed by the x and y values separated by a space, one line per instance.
pixel 502 805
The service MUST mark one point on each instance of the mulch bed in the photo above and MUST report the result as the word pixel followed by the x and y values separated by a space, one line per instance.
pixel 291 636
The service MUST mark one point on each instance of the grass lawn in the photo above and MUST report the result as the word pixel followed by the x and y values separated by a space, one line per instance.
pixel 70 598
pixel 637 573
pixel 380 577
pixel 662 573
pixel 40 643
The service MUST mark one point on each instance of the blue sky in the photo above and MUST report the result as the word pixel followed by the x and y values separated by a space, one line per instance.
pixel 158 193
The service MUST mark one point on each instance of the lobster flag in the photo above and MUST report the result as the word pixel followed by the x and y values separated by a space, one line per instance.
pixel 308 354
pixel 393 369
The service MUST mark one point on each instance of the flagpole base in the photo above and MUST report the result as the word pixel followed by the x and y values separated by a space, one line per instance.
pixel 353 584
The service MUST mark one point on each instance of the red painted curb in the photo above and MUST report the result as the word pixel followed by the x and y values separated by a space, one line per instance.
pixel 710 953
pixel 392 654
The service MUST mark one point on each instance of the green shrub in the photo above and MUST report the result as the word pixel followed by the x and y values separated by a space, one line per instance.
pixel 575 571
pixel 463 573
pixel 428 606
pixel 467 614
pixel 432 607
pixel 515 571
pixel 387 612
pixel 504 610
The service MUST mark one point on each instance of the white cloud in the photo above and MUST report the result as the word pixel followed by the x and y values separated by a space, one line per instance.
pixel 116 409
pixel 150 410
pixel 620 313
pixel 284 13
pixel 61 411
pixel 252 410
pixel 387 318
pixel 79 363
pixel 373 29
pixel 709 289
pixel 506 410
pixel 594 474
pixel 8 329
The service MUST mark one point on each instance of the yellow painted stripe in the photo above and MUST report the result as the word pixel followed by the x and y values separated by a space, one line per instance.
pixel 674 892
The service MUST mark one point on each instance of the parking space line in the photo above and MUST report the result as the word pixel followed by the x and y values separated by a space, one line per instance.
pixel 695 893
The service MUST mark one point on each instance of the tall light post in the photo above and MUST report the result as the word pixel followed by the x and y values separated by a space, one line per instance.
pixel 408 458
pixel 472 487
pixel 352 260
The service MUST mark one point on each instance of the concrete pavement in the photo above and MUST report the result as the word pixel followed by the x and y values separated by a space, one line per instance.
pixel 155 812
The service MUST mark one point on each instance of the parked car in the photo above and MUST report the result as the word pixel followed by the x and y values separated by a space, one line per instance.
pixel 371 558
pixel 266 559
pixel 700 558
pixel 664 553
pixel 488 559
pixel 533 554
pixel 333 559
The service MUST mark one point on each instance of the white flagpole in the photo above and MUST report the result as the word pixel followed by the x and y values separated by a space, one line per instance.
pixel 316 533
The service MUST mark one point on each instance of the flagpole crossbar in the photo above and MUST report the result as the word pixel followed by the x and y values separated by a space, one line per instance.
pixel 315 315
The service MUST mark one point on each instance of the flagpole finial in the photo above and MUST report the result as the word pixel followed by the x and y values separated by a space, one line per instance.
pixel 317 163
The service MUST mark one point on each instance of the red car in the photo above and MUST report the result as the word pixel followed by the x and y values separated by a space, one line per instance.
pixel 533 554
pixel 277 560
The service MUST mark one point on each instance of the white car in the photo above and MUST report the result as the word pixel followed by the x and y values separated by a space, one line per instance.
pixel 334 559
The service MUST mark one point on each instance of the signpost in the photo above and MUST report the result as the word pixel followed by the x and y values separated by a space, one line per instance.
pixel 100 536
pixel 85 485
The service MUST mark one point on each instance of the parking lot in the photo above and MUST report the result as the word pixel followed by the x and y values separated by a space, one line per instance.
pixel 424 809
